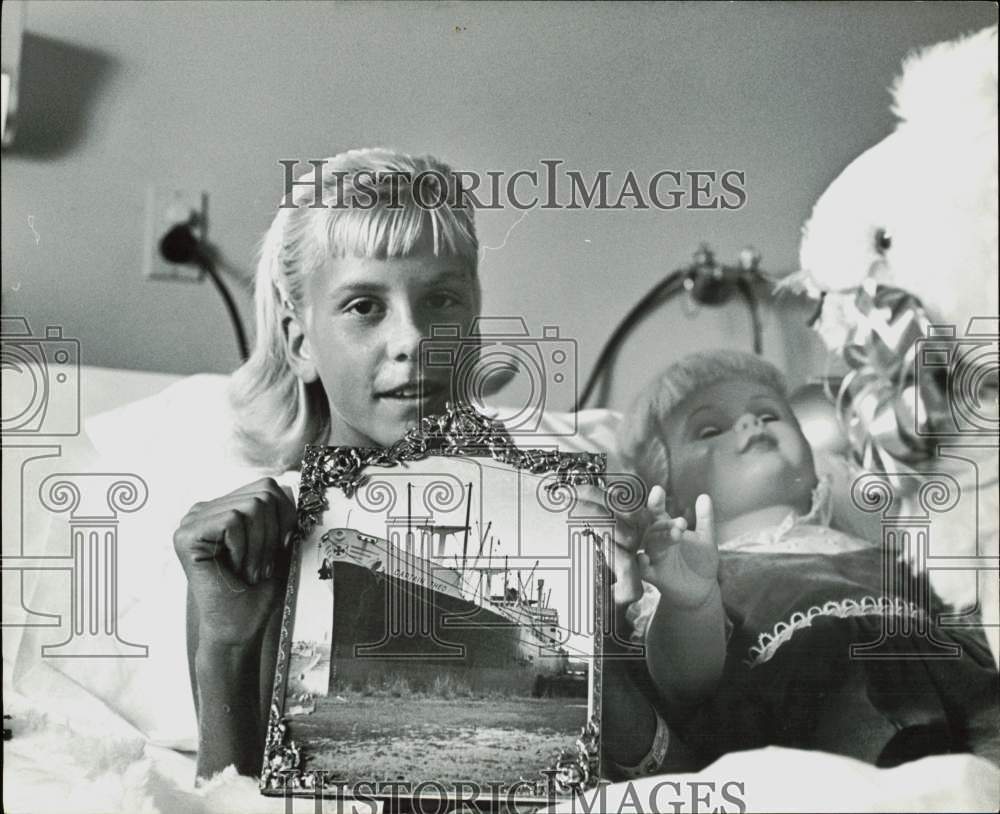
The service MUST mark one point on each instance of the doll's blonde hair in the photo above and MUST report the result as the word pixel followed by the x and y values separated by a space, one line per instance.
pixel 277 414
pixel 643 427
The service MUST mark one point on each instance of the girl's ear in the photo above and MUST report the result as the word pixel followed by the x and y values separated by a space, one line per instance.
pixel 297 349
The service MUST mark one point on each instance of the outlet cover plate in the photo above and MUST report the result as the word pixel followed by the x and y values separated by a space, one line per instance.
pixel 165 208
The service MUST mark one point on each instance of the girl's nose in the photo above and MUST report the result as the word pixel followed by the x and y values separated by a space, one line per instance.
pixel 747 421
pixel 404 338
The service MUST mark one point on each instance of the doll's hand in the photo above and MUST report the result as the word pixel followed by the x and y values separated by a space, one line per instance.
pixel 682 564
pixel 234 553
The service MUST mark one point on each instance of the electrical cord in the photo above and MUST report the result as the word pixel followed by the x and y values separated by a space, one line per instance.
pixel 234 317
pixel 707 283
pixel 180 246
pixel 745 286
pixel 661 292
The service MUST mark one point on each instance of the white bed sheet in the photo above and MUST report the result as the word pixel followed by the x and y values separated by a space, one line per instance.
pixel 117 735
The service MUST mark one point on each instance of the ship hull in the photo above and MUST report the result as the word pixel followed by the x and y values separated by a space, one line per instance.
pixel 389 632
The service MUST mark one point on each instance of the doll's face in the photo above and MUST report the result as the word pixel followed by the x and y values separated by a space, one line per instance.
pixel 360 336
pixel 739 442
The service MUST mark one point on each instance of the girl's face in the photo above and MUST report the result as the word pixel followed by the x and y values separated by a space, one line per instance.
pixel 739 442
pixel 360 336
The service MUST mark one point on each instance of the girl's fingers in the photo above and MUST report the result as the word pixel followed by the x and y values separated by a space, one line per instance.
pixel 278 500
pixel 627 584
pixel 287 510
pixel 234 541
pixel 268 518
pixel 256 516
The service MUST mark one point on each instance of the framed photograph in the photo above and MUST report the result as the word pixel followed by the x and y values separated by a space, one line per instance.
pixel 438 634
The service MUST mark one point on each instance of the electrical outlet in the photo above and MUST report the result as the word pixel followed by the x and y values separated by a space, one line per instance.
pixel 167 207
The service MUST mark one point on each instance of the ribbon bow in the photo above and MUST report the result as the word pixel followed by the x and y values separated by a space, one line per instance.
pixel 888 411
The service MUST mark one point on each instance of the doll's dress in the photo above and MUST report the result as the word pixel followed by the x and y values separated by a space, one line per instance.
pixel 833 644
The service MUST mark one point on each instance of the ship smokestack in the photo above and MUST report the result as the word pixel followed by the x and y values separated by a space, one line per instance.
pixel 541 585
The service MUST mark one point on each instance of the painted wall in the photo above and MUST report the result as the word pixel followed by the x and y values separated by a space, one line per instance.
pixel 209 96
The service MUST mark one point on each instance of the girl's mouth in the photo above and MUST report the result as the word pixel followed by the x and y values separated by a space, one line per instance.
pixel 412 392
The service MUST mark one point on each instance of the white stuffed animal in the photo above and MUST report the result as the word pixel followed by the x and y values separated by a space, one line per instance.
pixel 918 212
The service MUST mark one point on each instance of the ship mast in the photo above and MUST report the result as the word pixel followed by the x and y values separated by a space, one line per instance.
pixel 479 556
pixel 530 577
pixel 489 573
pixel 465 540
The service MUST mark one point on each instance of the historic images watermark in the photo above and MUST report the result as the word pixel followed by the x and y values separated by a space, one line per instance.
pixel 551 186
pixel 669 794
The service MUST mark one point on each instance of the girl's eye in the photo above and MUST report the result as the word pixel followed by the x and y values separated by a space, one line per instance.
pixel 442 299
pixel 709 431
pixel 364 308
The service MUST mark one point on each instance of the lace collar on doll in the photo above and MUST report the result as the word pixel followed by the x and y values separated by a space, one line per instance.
pixel 801 533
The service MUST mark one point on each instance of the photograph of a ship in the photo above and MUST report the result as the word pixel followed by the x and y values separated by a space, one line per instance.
pixel 443 627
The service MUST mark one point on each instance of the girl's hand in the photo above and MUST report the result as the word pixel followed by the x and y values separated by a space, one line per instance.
pixel 624 564
pixel 234 553
pixel 682 564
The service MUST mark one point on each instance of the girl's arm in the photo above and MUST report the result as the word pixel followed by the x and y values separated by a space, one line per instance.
pixel 629 730
pixel 233 728
pixel 235 555
pixel 229 721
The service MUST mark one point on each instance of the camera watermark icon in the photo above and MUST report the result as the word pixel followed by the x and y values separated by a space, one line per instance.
pixel 961 371
pixel 41 381
pixel 537 373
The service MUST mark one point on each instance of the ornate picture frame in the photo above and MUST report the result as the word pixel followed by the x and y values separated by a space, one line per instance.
pixel 441 627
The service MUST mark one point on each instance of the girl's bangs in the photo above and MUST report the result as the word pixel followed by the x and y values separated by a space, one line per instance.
pixel 382 233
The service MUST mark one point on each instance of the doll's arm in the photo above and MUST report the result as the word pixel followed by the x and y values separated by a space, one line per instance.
pixel 686 638
pixel 686 650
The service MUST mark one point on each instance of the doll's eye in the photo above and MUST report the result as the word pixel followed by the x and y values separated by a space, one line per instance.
pixel 765 417
pixel 883 241
pixel 708 431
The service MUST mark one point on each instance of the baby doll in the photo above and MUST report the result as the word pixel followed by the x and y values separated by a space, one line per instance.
pixel 762 625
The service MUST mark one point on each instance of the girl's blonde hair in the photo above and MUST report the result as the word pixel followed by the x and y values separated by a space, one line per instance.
pixel 643 427
pixel 369 206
